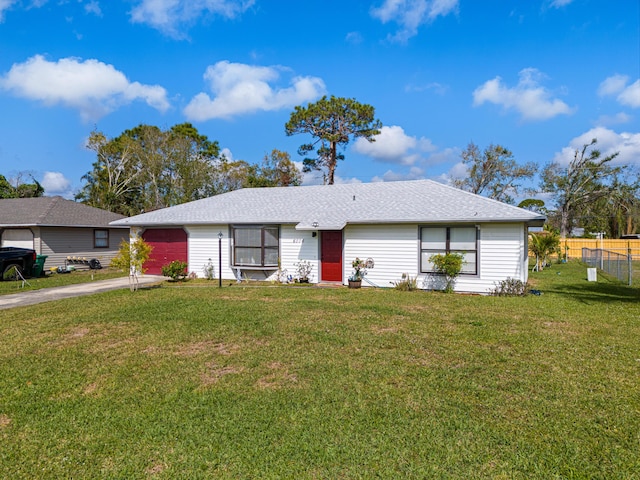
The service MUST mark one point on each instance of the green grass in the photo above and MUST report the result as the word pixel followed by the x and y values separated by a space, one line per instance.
pixel 192 381
pixel 58 280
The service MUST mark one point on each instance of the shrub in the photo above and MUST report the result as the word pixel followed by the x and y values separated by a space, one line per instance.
pixel 511 287
pixel 449 265
pixel 176 270
pixel 131 257
pixel 407 284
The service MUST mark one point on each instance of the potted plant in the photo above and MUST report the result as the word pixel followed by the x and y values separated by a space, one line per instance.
pixel 303 271
pixel 359 271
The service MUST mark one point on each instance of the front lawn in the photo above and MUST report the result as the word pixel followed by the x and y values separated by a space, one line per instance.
pixel 264 382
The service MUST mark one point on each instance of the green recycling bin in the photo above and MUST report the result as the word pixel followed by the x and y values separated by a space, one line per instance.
pixel 38 266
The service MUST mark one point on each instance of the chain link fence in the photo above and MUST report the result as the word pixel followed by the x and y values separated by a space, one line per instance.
pixel 615 264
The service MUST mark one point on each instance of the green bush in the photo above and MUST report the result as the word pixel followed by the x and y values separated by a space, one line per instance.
pixel 449 265
pixel 176 270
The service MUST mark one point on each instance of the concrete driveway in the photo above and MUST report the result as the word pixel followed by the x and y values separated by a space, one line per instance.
pixel 31 297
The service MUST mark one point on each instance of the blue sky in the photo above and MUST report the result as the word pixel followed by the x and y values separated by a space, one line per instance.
pixel 540 77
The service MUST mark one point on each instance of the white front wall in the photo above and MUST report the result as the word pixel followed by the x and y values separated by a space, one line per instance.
pixel 297 245
pixel 501 256
pixel 203 248
pixel 294 247
pixel 395 249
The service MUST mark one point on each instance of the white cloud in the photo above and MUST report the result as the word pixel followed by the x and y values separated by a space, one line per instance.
pixel 437 88
pixel 628 95
pixel 457 172
pixel 393 145
pixel 93 7
pixel 55 183
pixel 410 14
pixel 239 89
pixel 612 85
pixel 4 6
pixel 528 98
pixel 560 3
pixel 446 156
pixel 226 153
pixel 354 38
pixel 92 87
pixel 414 173
pixel 616 119
pixel 169 16
pixel 609 142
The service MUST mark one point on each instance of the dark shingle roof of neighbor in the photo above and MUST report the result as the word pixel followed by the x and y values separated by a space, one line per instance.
pixel 333 206
pixel 53 212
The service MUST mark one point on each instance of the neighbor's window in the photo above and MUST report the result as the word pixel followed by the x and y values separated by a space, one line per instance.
pixel 256 246
pixel 101 238
pixel 441 240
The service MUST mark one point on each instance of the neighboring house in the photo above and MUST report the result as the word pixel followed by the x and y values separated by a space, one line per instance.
pixel 60 228
pixel 264 232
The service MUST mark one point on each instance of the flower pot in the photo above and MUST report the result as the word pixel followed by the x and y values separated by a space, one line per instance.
pixel 355 283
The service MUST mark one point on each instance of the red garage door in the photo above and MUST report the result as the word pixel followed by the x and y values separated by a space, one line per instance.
pixel 168 244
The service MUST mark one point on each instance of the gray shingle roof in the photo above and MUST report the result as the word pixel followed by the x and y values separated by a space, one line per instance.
pixel 52 211
pixel 333 206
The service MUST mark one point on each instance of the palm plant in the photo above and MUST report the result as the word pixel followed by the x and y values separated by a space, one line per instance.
pixel 543 244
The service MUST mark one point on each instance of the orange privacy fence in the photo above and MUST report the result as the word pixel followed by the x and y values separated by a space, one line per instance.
pixel 619 246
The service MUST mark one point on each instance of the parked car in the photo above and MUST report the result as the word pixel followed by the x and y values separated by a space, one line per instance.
pixel 14 261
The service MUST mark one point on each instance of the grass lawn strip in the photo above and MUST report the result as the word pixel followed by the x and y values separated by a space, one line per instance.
pixel 325 383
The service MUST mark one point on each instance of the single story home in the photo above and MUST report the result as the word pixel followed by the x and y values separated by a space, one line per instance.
pixel 263 233
pixel 63 230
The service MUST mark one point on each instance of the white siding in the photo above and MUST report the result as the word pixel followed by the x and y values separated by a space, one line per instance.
pixel 297 245
pixel 203 247
pixel 501 254
pixel 393 248
pixel 294 246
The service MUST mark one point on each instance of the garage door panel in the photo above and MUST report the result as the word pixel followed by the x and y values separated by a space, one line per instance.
pixel 17 237
pixel 168 245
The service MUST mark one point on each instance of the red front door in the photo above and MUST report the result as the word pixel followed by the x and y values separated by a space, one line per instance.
pixel 331 256
pixel 168 244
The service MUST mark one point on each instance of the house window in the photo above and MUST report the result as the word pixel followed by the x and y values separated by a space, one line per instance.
pixel 256 246
pixel 101 239
pixel 442 240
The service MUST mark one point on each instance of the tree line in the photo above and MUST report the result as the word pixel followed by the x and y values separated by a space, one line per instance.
pixel 147 168
pixel 17 187
pixel 589 192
